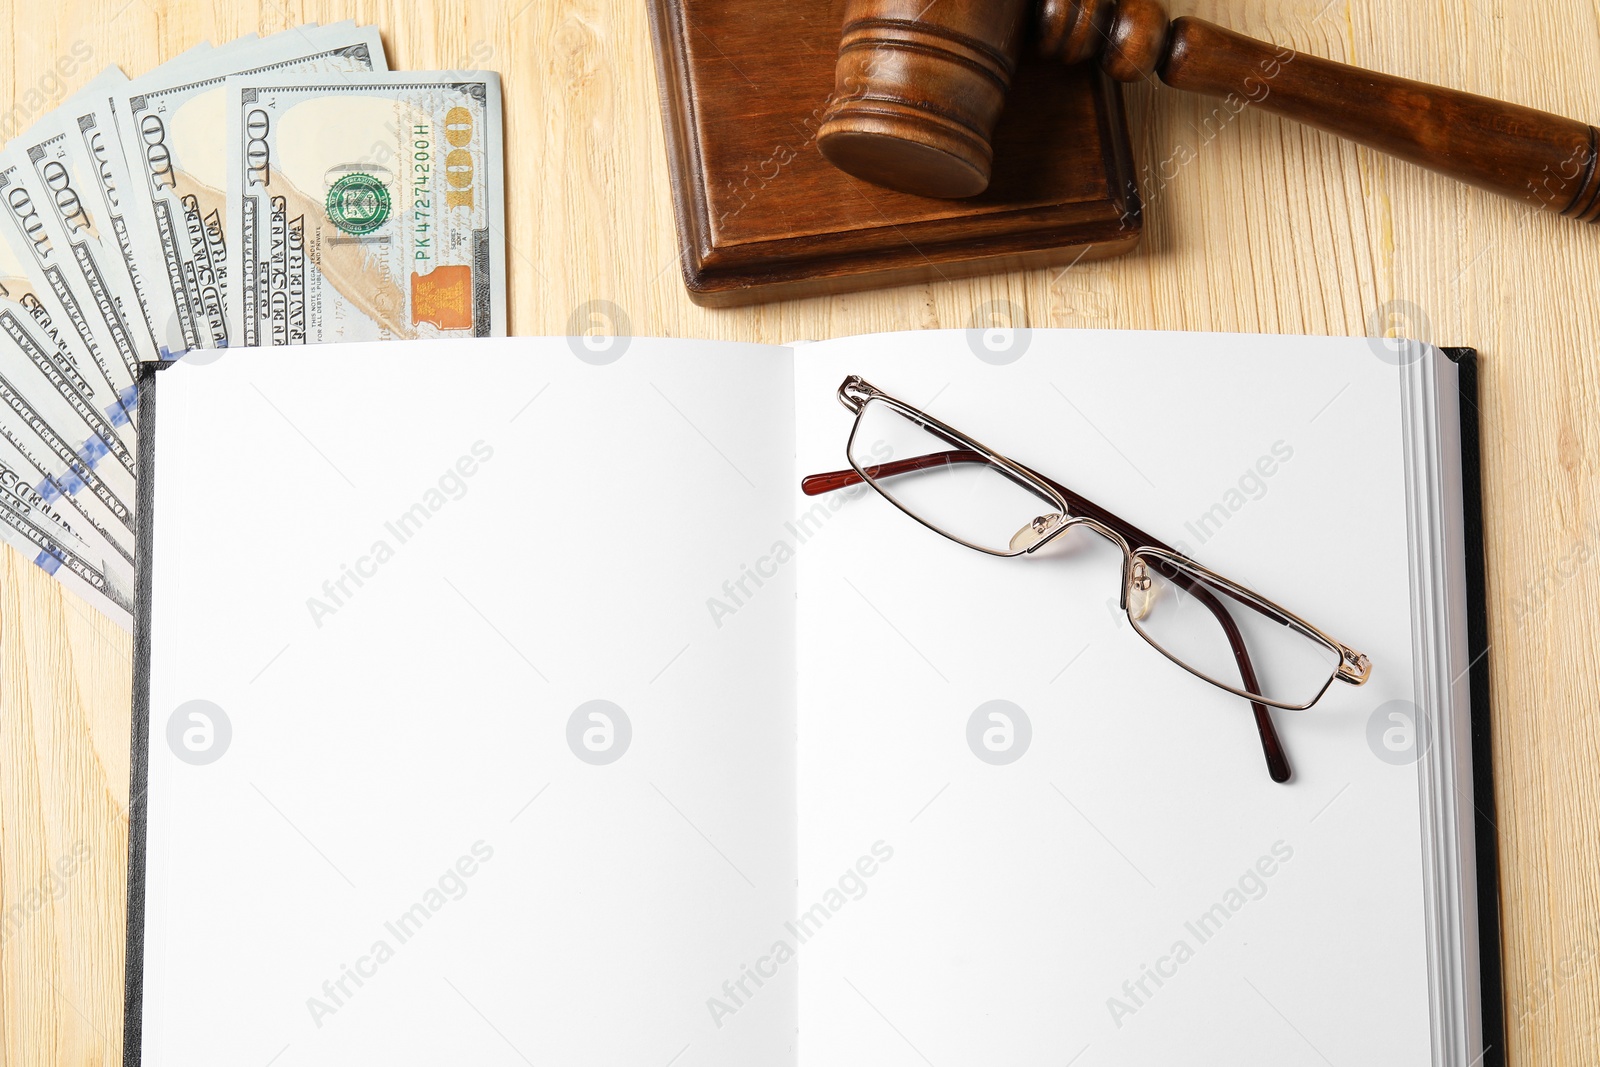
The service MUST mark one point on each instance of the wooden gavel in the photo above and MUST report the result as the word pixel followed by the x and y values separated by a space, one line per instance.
pixel 920 84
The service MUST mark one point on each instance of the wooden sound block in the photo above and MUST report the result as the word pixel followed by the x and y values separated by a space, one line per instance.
pixel 762 216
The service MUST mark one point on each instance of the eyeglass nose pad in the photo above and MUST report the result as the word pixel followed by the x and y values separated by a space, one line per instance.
pixel 1142 592
pixel 1035 531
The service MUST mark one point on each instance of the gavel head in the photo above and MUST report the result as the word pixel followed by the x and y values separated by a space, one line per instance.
pixel 920 85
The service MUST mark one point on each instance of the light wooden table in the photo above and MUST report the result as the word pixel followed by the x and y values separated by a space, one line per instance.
pixel 1270 228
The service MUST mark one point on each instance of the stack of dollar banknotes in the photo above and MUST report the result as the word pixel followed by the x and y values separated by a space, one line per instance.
pixel 272 191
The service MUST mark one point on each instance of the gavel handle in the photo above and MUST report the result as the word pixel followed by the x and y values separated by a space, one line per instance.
pixel 1521 152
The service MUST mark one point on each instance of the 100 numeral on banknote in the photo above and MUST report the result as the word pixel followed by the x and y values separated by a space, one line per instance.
pixel 366 208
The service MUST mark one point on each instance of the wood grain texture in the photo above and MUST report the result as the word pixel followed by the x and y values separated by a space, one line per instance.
pixel 920 87
pixel 1252 224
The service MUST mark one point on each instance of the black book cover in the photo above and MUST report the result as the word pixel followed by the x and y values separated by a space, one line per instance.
pixel 1487 840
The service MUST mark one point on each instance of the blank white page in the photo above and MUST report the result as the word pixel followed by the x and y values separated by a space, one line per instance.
pixel 403 798
pixel 1133 889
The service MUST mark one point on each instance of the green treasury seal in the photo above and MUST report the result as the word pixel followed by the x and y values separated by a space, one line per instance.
pixel 358 204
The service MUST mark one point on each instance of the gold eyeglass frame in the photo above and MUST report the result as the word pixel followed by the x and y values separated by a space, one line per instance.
pixel 1139 550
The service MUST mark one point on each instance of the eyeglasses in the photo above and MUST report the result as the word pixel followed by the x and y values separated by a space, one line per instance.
pixel 1213 628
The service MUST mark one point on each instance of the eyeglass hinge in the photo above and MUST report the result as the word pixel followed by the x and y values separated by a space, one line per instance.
pixel 855 392
pixel 1354 668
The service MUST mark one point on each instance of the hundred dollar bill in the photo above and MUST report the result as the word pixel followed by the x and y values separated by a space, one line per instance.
pixel 44 414
pixel 83 139
pixel 64 557
pixel 29 311
pixel 79 159
pixel 30 471
pixel 170 133
pixel 37 361
pixel 25 227
pixel 58 183
pixel 48 527
pixel 366 208
pixel 39 307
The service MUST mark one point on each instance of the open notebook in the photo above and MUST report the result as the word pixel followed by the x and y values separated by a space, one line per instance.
pixel 506 701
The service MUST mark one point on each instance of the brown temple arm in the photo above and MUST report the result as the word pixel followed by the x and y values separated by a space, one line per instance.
pixel 1271 745
pixel 817 484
